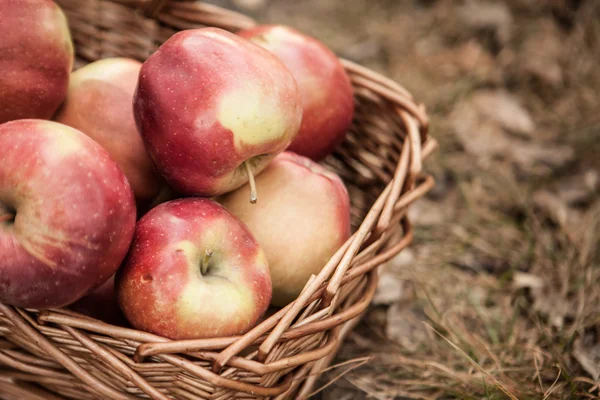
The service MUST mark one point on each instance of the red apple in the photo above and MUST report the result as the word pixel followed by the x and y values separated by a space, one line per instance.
pixel 101 304
pixel 36 57
pixel 211 107
pixel 327 96
pixel 67 214
pixel 301 221
pixel 194 271
pixel 99 104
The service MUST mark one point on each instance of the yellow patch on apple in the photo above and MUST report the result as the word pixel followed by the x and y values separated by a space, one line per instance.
pixel 103 70
pixel 281 34
pixel 66 143
pixel 220 38
pixel 236 301
pixel 261 259
pixel 189 249
pixel 252 116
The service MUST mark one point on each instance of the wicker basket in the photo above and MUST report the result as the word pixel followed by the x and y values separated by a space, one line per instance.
pixel 57 354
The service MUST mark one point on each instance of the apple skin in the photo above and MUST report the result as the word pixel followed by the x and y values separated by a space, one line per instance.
pixel 207 101
pixel 74 214
pixel 300 221
pixel 37 57
pixel 161 288
pixel 327 95
pixel 99 104
pixel 102 304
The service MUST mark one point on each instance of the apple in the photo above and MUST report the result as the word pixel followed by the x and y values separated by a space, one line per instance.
pixel 193 271
pixel 214 109
pixel 67 214
pixel 327 96
pixel 99 104
pixel 301 221
pixel 101 304
pixel 36 57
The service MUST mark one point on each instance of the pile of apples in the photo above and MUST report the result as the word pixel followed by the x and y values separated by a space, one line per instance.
pixel 181 196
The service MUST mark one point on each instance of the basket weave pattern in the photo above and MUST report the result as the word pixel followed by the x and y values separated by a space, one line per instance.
pixel 74 356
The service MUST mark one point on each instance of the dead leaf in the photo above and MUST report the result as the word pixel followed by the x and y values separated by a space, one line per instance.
pixel 426 213
pixel 485 125
pixel 579 188
pixel 522 280
pixel 551 306
pixel 542 53
pixel 488 15
pixel 401 261
pixel 587 352
pixel 546 300
pixel 457 62
pixel 481 122
pixel 535 156
pixel 473 58
pixel 590 178
pixel 477 134
pixel 568 218
pixel 548 303
pixel 506 110
pixel 552 205
pixel 389 289
pixel 405 326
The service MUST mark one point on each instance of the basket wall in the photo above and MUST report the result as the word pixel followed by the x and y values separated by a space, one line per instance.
pixel 57 354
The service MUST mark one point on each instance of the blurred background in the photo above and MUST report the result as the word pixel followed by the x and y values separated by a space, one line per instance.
pixel 499 296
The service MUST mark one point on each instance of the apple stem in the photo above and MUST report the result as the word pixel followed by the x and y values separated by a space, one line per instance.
pixel 7 217
pixel 205 261
pixel 252 183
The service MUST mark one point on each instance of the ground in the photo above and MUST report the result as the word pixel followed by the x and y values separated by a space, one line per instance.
pixel 497 297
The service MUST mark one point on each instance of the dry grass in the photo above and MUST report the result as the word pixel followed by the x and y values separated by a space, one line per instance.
pixel 501 297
